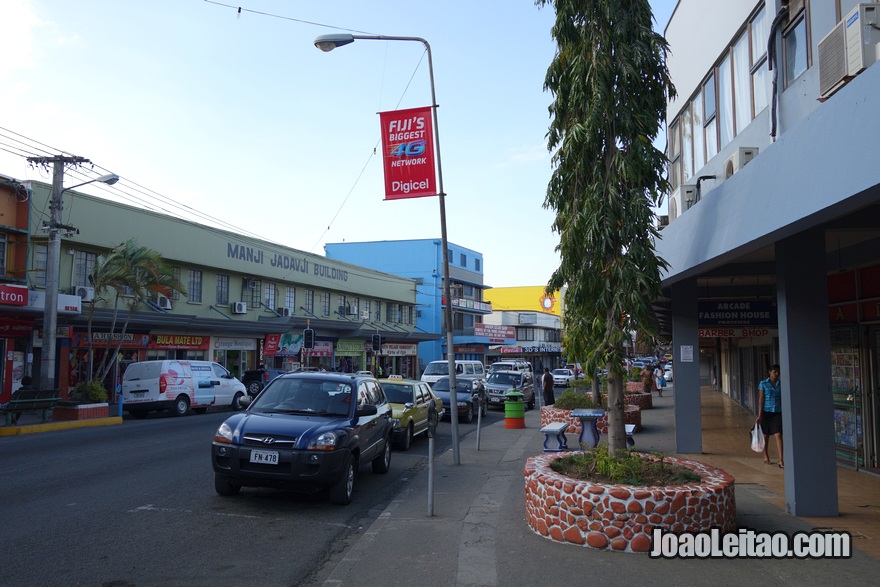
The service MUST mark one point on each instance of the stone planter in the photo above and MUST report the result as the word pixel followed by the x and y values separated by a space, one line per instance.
pixel 549 415
pixel 623 517
pixel 67 411
pixel 645 401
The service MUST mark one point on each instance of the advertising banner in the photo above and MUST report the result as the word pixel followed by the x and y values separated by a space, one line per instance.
pixel 408 153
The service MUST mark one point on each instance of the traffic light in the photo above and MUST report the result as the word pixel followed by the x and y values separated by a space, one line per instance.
pixel 377 343
pixel 308 339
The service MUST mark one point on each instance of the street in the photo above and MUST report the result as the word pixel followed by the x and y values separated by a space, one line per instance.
pixel 134 504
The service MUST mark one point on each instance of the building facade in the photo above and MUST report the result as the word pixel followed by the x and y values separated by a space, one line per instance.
pixel 422 261
pixel 536 322
pixel 247 301
pixel 773 235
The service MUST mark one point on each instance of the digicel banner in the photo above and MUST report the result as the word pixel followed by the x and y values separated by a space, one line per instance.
pixel 408 153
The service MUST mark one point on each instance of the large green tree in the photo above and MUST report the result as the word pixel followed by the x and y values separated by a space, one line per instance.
pixel 123 279
pixel 610 87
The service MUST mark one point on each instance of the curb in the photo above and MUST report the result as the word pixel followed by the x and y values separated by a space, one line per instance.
pixel 52 426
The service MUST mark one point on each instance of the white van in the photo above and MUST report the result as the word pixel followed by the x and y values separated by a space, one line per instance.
pixel 520 365
pixel 177 386
pixel 437 369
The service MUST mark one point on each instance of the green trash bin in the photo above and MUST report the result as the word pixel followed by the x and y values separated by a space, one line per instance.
pixel 514 410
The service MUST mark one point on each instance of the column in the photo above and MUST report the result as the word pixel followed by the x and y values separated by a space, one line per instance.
pixel 686 361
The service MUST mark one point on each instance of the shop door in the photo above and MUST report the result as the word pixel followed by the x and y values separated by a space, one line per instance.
pixel 872 403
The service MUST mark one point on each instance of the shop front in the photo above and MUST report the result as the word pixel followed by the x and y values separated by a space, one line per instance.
pixel 351 356
pixel 396 358
pixel 236 354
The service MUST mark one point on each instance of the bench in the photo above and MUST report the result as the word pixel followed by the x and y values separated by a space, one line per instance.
pixel 556 429
pixel 25 400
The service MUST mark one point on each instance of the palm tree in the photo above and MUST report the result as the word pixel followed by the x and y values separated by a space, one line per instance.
pixel 610 85
pixel 125 278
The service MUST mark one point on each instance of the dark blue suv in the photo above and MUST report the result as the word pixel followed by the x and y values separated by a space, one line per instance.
pixel 305 431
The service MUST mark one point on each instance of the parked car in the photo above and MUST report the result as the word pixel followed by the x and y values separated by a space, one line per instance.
pixel 256 379
pixel 509 365
pixel 178 386
pixel 305 431
pixel 470 395
pixel 667 373
pixel 467 368
pixel 410 408
pixel 562 377
pixel 500 382
pixel 365 373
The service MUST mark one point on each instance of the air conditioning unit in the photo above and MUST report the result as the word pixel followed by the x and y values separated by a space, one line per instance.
pixel 163 302
pixel 862 35
pixel 352 311
pixel 239 308
pixel 832 61
pixel 250 283
pixel 662 221
pixel 86 293
pixel 285 312
pixel 689 195
pixel 738 159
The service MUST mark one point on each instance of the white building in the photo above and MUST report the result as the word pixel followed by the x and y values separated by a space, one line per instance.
pixel 773 241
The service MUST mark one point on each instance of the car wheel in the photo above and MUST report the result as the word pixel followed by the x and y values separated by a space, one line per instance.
pixel 254 387
pixel 406 441
pixel 382 463
pixel 224 486
pixel 343 490
pixel 236 401
pixel 469 417
pixel 138 414
pixel 181 406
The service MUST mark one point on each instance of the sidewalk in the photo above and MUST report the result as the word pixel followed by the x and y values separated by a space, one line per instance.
pixel 478 534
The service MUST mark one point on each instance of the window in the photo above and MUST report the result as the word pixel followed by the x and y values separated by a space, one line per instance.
pixel 194 286
pixel 760 32
pixel 83 264
pixel 175 295
pixel 251 293
pixel 794 43
pixel 699 138
pixel 378 311
pixel 353 307
pixel 367 308
pixel 269 295
pixel 310 301
pixel 325 303
pixel 41 253
pixel 725 101
pixel 2 253
pixel 525 334
pixel 477 264
pixel 222 289
pixel 290 299
pixel 742 83
pixel 687 142
pixel 341 307
pixel 711 121
pixel 674 156
pixel 463 260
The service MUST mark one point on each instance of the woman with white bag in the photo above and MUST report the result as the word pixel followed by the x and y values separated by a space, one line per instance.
pixel 770 413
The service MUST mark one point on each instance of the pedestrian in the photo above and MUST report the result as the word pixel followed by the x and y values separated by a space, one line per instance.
pixel 658 375
pixel 770 413
pixel 547 387
pixel 27 384
pixel 647 378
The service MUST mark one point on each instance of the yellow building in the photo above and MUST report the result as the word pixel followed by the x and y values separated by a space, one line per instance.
pixel 534 319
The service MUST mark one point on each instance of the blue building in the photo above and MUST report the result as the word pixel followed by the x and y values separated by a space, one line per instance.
pixel 422 260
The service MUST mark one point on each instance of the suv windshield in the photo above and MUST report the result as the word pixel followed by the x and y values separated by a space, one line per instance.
pixel 304 396
pixel 437 369
pixel 460 385
pixel 501 378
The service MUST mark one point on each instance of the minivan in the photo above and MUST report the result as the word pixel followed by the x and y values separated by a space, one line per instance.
pixel 178 386
pixel 437 369
pixel 510 365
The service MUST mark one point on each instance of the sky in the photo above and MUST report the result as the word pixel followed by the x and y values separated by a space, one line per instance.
pixel 234 119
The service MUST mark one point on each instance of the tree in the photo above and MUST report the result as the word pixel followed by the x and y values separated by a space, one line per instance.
pixel 125 278
pixel 610 85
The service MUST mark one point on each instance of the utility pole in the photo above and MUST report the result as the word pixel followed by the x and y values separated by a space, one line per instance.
pixel 53 262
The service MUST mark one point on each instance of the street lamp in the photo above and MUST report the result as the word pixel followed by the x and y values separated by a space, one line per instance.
pixel 329 42
pixel 53 262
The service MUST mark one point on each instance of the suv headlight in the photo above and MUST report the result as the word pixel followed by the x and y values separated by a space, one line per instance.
pixel 325 441
pixel 224 434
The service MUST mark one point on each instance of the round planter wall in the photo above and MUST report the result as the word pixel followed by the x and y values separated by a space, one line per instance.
pixel 623 517
pixel 549 415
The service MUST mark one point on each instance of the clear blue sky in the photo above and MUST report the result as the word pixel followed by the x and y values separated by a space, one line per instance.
pixel 240 118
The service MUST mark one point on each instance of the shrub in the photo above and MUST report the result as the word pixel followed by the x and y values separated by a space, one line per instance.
pixel 599 466
pixel 91 391
pixel 572 400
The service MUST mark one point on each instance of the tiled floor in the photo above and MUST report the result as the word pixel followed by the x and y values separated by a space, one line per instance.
pixel 726 428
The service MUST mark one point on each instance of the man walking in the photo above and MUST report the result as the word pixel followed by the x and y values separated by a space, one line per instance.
pixel 547 387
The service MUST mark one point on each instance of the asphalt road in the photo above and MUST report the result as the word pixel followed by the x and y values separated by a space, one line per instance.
pixel 135 505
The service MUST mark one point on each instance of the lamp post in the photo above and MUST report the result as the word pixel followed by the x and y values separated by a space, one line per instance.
pixel 53 262
pixel 328 43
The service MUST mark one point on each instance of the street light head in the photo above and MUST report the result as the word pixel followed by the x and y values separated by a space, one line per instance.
pixel 327 43
pixel 109 179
